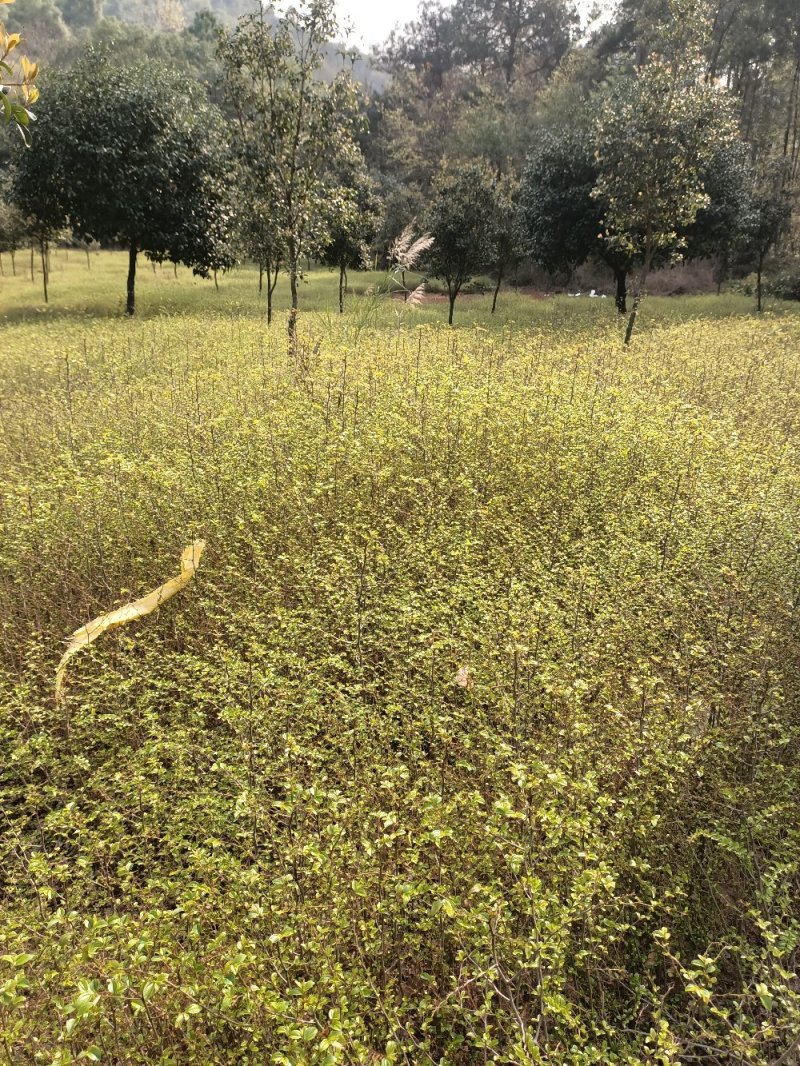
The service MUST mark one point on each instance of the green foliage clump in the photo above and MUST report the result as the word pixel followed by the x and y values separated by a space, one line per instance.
pixel 656 135
pixel 462 222
pixel 476 736
pixel 785 284
pixel 559 217
pixel 133 155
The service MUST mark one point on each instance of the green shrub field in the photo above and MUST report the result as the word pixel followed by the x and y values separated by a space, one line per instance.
pixel 476 738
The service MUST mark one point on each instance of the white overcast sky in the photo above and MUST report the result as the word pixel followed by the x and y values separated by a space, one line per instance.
pixel 373 20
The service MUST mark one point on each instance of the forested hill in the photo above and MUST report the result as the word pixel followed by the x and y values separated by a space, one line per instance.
pixel 167 13
pixel 51 20
pixel 181 32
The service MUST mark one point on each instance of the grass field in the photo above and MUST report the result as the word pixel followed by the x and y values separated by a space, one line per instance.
pixel 78 291
pixel 476 738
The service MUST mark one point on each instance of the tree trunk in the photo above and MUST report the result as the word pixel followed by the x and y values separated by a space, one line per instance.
pixel 216 283
pixel 33 274
pixel 1 267
pixel 497 287
pixel 88 260
pixel 272 281
pixel 13 263
pixel 342 287
pixel 292 328
pixel 270 288
pixel 130 307
pixel 175 269
pixel 792 109
pixel 621 298
pixel 45 268
pixel 632 319
pixel 640 290
pixel 511 57
pixel 759 305
pixel 260 277
pixel 452 307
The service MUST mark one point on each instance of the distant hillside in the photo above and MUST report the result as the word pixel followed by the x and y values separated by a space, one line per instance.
pixel 180 31
pixel 172 14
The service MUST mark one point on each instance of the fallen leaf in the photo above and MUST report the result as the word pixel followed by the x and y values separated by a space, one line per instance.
pixel 83 637
pixel 464 678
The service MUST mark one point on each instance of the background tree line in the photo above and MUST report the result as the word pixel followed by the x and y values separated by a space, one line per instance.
pixel 508 132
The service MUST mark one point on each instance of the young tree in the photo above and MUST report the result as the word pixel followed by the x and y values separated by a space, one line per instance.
pixel 354 216
pixel 13 231
pixel 35 193
pixel 461 222
pixel 559 217
pixel 655 134
pixel 507 244
pixel 399 203
pixel 294 128
pixel 770 214
pixel 132 155
pixel 259 236
pixel 724 224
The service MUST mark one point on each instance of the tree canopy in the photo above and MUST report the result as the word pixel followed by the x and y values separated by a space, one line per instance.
pixel 655 135
pixel 131 155
pixel 597 120
pixel 354 216
pixel 507 38
pixel 461 222
pixel 293 128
